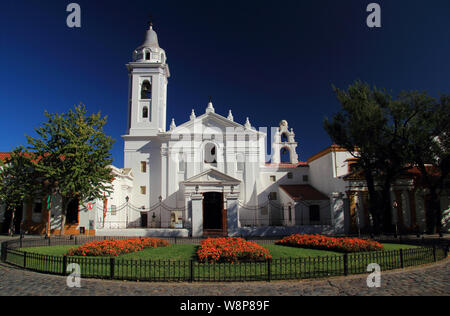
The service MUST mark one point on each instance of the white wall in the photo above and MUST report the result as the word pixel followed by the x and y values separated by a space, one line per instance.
pixel 445 207
pixel 135 152
pixel 122 187
pixel 327 171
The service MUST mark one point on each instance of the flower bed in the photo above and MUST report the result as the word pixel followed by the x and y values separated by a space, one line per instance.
pixel 112 248
pixel 231 249
pixel 330 243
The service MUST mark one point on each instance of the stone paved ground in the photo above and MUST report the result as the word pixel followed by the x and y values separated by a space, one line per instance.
pixel 429 280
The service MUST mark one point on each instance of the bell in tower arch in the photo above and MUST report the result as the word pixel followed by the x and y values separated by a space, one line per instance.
pixel 146 92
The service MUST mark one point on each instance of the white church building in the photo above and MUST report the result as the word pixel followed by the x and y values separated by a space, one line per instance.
pixel 212 176
pixel 209 175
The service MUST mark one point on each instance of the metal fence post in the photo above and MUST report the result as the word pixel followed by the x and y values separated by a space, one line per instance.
pixel 345 264
pixel 402 262
pixel 434 253
pixel 191 270
pixel 64 266
pixel 24 260
pixel 111 268
pixel 269 272
pixel 3 251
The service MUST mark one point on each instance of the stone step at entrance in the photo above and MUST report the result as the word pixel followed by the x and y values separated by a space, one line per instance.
pixel 214 233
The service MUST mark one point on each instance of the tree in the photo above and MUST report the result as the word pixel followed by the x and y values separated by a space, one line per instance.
pixel 17 183
pixel 373 127
pixel 357 128
pixel 390 136
pixel 429 148
pixel 74 156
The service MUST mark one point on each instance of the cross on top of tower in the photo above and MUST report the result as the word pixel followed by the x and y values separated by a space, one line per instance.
pixel 150 21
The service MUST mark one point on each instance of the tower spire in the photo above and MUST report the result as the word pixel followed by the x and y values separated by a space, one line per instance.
pixel 210 107
pixel 150 21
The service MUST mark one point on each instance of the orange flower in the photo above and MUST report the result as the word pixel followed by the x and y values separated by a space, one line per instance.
pixel 230 250
pixel 111 248
pixel 330 243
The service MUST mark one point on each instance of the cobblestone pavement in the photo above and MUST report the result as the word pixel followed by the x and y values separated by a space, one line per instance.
pixel 429 280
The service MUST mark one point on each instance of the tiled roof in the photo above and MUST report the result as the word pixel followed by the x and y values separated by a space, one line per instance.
pixel 414 172
pixel 287 165
pixel 330 149
pixel 3 156
pixel 303 192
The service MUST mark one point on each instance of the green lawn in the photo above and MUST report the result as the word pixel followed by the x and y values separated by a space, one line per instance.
pixel 50 251
pixel 398 246
pixel 174 263
pixel 187 252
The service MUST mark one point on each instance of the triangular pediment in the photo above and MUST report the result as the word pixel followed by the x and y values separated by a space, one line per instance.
pixel 209 123
pixel 212 176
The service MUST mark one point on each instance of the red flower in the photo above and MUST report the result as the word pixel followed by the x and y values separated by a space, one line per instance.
pixel 111 248
pixel 230 250
pixel 330 243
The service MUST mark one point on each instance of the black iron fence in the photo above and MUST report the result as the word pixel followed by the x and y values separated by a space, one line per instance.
pixel 13 252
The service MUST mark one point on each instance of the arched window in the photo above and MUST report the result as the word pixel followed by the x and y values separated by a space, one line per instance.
pixel 240 162
pixel 181 163
pixel 210 153
pixel 146 90
pixel 147 55
pixel 284 137
pixel 145 112
pixel 285 155
pixel 72 212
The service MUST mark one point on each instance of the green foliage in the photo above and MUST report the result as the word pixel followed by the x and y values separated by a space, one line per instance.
pixel 427 143
pixel 389 136
pixel 74 154
pixel 17 181
pixel 358 126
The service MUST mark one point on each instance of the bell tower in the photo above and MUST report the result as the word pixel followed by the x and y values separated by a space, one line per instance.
pixel 284 140
pixel 148 78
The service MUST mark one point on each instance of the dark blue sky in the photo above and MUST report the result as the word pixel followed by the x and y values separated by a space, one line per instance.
pixel 269 60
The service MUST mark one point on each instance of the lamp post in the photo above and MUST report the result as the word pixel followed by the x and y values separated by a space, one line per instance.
pixel 357 219
pixel 127 198
pixel 395 205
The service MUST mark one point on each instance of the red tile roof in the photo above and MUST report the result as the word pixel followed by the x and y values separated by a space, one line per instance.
pixel 287 165
pixel 304 192
pixel 4 156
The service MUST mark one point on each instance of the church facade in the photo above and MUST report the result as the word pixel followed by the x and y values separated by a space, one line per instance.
pixel 212 176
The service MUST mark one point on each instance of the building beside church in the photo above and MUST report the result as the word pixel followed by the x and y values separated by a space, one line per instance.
pixel 212 176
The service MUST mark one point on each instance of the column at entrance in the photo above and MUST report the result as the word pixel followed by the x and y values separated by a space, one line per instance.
pixel 197 215
pixel 232 206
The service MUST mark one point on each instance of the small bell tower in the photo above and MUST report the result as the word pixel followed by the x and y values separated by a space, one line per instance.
pixel 284 140
pixel 148 78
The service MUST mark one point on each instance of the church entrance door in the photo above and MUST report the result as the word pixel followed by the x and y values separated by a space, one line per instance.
pixel 214 214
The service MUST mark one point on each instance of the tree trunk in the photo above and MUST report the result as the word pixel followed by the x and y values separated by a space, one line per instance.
pixel 434 212
pixel 63 216
pixel 386 208
pixel 49 209
pixel 11 223
pixel 373 202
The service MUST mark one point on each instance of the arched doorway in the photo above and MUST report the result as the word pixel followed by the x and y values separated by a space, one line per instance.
pixel 7 220
pixel 214 214
pixel 72 212
pixel 285 155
